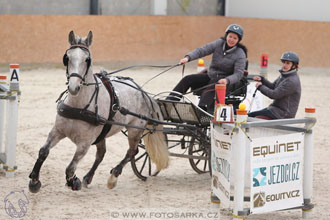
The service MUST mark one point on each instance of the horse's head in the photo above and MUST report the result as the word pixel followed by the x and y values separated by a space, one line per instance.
pixel 77 60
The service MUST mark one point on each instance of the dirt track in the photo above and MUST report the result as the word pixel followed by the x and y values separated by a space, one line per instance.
pixel 177 188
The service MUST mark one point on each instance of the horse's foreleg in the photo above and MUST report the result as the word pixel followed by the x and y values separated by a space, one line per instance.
pixel 131 152
pixel 71 179
pixel 53 138
pixel 101 149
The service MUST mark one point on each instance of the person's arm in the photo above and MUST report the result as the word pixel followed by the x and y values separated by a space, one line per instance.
pixel 263 81
pixel 267 83
pixel 284 89
pixel 205 50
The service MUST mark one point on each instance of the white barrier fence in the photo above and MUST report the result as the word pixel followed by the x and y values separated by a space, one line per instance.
pixel 9 99
pixel 267 163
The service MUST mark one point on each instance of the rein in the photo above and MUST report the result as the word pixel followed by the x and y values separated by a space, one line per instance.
pixel 136 66
pixel 171 67
pixel 212 89
pixel 152 66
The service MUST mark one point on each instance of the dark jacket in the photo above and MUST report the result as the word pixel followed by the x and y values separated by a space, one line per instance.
pixel 229 64
pixel 286 92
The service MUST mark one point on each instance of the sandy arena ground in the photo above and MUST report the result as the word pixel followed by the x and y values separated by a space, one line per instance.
pixel 177 188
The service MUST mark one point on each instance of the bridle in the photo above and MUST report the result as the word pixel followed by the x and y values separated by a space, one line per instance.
pixel 83 78
pixel 88 63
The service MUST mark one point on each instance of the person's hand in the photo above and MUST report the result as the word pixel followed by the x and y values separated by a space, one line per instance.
pixel 184 60
pixel 223 81
pixel 258 84
pixel 257 78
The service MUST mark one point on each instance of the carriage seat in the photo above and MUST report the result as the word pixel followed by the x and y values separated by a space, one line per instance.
pixel 263 117
pixel 235 94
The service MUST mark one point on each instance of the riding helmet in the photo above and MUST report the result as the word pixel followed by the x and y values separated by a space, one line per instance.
pixel 290 56
pixel 235 28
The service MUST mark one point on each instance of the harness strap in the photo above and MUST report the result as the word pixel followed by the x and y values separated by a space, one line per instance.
pixel 77 113
pixel 114 101
pixel 89 117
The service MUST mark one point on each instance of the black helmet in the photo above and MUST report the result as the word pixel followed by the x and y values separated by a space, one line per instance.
pixel 290 56
pixel 235 28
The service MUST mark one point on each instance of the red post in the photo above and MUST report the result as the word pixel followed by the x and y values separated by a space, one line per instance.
pixel 264 64
pixel 264 60
pixel 220 94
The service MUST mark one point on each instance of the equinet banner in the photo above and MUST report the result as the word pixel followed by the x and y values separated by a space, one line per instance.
pixel 276 172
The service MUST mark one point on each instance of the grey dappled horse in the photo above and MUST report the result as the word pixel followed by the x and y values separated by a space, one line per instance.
pixel 82 84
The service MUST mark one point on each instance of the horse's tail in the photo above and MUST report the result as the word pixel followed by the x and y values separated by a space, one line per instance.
pixel 156 145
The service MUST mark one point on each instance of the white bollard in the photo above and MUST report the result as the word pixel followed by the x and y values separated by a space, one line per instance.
pixel 200 66
pixel 308 166
pixel 14 77
pixel 2 110
pixel 239 150
pixel 12 119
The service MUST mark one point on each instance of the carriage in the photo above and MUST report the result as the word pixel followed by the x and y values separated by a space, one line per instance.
pixel 187 132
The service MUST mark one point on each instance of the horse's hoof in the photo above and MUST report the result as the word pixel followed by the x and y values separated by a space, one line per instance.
pixel 116 171
pixel 87 180
pixel 112 182
pixel 34 186
pixel 76 184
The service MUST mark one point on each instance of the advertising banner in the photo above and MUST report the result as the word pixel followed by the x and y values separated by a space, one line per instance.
pixel 221 148
pixel 276 172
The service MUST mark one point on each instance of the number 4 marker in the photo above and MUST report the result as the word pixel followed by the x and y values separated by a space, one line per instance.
pixel 224 114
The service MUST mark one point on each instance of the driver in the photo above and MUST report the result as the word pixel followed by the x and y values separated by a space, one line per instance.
pixel 227 67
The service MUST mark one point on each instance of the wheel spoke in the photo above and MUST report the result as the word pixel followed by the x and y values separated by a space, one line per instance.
pixel 149 161
pixel 205 165
pixel 144 163
pixel 197 151
pixel 137 159
pixel 197 162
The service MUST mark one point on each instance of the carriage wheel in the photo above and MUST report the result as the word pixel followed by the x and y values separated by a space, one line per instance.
pixel 196 149
pixel 142 165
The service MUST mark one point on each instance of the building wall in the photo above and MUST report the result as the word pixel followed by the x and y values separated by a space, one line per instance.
pixel 316 10
pixel 147 39
pixel 308 10
pixel 193 7
pixel 108 7
pixel 44 7
pixel 125 7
